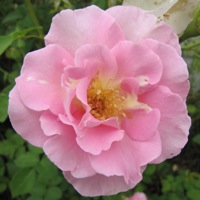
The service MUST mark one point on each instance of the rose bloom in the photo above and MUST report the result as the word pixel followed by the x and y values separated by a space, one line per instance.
pixel 138 196
pixel 104 97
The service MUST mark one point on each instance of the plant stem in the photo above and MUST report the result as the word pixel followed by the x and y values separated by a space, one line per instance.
pixel 34 17
pixel 190 46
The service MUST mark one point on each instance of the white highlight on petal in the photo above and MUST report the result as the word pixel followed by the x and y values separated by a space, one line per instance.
pixel 43 81
pixel 30 78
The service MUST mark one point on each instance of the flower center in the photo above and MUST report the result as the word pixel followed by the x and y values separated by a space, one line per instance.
pixel 105 100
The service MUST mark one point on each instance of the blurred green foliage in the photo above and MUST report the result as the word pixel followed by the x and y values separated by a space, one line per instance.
pixel 25 172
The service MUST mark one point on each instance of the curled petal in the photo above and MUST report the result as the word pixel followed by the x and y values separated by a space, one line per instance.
pixel 95 140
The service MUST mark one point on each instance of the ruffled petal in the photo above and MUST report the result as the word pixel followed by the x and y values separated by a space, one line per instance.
pixel 40 82
pixel 50 124
pixel 142 125
pixel 96 59
pixel 64 152
pixel 99 184
pixel 122 164
pixel 73 29
pixel 97 139
pixel 175 72
pixel 137 25
pixel 25 121
pixel 134 22
pixel 174 122
pixel 131 62
pixel 129 160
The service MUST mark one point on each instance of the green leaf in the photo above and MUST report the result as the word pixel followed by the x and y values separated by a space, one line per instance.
pixel 3 187
pixel 34 197
pixel 193 29
pixel 192 109
pixel 10 145
pixel 4 103
pixel 5 41
pixel 196 139
pixel 166 186
pixel 27 160
pixel 53 193
pixel 101 3
pixel 39 189
pixel 35 150
pixel 193 194
pixel 22 182
pixel 150 169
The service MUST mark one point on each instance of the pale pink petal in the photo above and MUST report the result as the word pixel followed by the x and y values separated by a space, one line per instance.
pixel 164 33
pixel 174 122
pixel 99 185
pixel 96 59
pixel 138 24
pixel 73 29
pixel 73 107
pixel 130 85
pixel 131 157
pixel 123 164
pixel 25 121
pixel 81 90
pixel 97 139
pixel 143 124
pixel 40 83
pixel 89 121
pixel 50 124
pixel 131 62
pixel 175 72
pixel 134 22
pixel 147 151
pixel 138 196
pixel 64 152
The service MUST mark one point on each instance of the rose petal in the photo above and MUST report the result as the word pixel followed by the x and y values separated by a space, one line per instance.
pixel 97 139
pixel 130 157
pixel 40 83
pixel 89 121
pixel 25 121
pixel 137 25
pixel 50 124
pixel 99 185
pixel 64 152
pixel 79 27
pixel 96 59
pixel 132 63
pixel 143 124
pixel 174 122
pixel 175 73
pixel 163 33
pixel 130 85
pixel 130 19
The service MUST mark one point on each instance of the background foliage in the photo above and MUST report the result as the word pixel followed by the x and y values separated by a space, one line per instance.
pixel 25 172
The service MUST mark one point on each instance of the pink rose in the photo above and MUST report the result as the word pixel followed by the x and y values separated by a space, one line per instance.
pixel 104 98
pixel 138 196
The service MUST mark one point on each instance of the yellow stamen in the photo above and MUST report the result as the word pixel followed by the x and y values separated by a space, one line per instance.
pixel 105 100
